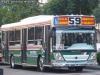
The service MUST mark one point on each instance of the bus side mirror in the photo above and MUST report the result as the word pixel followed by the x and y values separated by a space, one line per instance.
pixel 96 41
pixel 50 33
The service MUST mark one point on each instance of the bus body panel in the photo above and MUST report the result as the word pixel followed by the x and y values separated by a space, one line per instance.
pixel 36 38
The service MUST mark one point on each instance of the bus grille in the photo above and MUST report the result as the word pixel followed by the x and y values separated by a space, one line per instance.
pixel 75 57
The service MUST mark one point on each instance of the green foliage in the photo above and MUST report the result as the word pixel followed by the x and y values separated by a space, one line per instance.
pixel 58 7
pixel 17 11
pixel 98 58
pixel 3 12
pixel 14 11
pixel 61 7
pixel 97 14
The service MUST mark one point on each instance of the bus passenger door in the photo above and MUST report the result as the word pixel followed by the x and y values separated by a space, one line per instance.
pixel 47 45
pixel 24 51
pixel 6 48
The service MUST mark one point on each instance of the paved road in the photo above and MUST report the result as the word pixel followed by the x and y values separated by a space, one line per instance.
pixel 32 71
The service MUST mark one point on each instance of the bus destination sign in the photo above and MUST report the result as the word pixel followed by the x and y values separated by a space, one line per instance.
pixel 74 20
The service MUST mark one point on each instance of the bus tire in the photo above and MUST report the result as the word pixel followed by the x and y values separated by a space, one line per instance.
pixel 12 62
pixel 79 69
pixel 40 66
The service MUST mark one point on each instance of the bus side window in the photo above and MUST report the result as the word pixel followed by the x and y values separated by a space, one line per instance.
pixel 31 36
pixel 38 35
pixel 17 36
pixel 3 35
pixel 12 37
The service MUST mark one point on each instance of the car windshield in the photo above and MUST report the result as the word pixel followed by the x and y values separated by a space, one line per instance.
pixel 74 39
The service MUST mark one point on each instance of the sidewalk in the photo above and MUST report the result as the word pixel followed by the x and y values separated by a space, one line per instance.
pixel 93 67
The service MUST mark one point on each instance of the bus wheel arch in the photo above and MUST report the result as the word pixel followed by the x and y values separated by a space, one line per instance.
pixel 10 59
pixel 11 55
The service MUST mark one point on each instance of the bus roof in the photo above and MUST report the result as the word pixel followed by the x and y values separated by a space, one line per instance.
pixel 30 21
pixel 42 20
pixel 37 17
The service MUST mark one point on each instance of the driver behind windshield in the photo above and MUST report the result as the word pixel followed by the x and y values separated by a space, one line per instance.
pixel 79 39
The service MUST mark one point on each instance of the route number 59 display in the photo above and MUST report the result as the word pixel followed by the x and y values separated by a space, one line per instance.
pixel 74 20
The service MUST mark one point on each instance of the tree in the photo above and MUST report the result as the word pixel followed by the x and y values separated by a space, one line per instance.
pixel 58 7
pixel 97 14
pixel 3 12
pixel 85 6
pixel 19 10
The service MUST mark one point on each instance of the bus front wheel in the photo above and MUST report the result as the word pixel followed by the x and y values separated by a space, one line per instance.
pixel 40 66
pixel 12 63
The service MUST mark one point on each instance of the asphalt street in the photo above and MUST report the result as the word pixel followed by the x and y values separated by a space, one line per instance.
pixel 32 71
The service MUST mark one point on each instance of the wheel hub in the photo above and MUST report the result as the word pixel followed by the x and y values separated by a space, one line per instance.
pixel 41 63
pixel 12 61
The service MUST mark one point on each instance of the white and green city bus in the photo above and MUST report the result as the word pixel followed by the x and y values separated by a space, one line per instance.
pixel 0 46
pixel 63 41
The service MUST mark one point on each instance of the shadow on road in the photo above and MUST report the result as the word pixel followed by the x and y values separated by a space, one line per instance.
pixel 3 64
pixel 57 71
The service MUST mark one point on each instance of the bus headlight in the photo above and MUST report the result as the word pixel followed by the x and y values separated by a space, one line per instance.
pixel 58 56
pixel 92 56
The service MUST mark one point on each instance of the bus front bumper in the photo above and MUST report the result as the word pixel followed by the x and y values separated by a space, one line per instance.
pixel 74 64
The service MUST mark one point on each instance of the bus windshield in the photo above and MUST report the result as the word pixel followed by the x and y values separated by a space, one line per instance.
pixel 74 39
